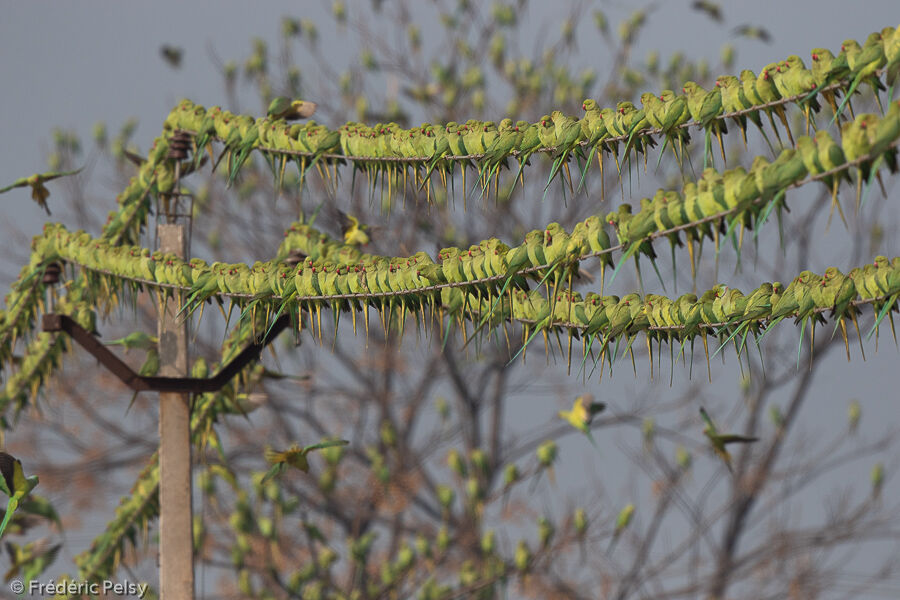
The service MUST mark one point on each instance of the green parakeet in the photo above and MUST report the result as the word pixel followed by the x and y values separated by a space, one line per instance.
pixel 495 156
pixel 136 340
pixel 354 232
pixel 821 65
pixel 719 441
pixel 282 107
pixel 734 100
pixel 530 142
pixel 14 484
pixel 798 80
pixel 631 120
pixel 854 412
pixel 676 114
pixel 581 415
pixel 705 107
pixel 623 520
pixel 150 368
pixel 567 134
pixel 863 62
pixel 856 142
pixel 522 556
pixel 877 478
pixel 767 92
pixel 39 193
pixel 594 130
pixel 30 560
pixel 295 457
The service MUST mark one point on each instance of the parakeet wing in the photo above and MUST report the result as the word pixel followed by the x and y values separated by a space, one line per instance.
pixel 737 439
pixel 304 108
pixel 279 105
pixel 596 408
pixel 7 468
pixel 274 457
pixel 706 419
pixel 276 469
pixel 10 509
pixel 58 174
pixel 18 183
pixel 326 444
pixel 344 220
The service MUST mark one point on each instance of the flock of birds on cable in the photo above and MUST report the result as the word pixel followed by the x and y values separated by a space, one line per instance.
pixel 388 151
pixel 491 283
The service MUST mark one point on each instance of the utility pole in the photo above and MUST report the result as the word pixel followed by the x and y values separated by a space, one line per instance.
pixel 176 553
pixel 176 547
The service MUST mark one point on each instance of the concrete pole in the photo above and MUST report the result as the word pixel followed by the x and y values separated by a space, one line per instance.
pixel 176 553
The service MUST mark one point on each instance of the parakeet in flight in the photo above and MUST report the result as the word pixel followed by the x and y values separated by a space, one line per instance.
pixel 283 107
pixel 295 457
pixel 581 415
pixel 720 440
pixel 14 484
pixel 354 231
pixel 135 340
pixel 39 193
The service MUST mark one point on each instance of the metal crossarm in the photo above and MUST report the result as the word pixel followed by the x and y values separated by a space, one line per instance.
pixel 57 322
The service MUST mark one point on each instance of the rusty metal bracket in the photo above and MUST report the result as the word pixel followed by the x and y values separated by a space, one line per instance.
pixel 56 322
